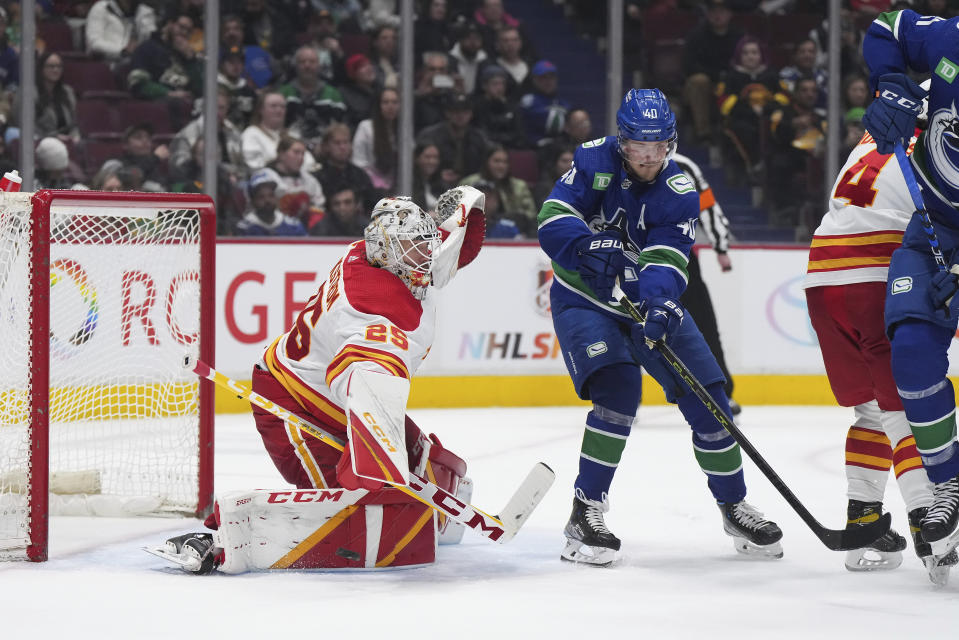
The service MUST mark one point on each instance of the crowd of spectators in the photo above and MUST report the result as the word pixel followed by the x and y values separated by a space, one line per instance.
pixel 308 103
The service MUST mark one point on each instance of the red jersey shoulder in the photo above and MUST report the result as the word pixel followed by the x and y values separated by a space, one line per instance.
pixel 378 292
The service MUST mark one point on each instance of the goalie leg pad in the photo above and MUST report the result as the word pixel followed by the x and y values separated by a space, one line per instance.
pixel 324 529
pixel 301 459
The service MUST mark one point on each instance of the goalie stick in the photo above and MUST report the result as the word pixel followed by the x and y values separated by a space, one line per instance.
pixel 837 540
pixel 500 528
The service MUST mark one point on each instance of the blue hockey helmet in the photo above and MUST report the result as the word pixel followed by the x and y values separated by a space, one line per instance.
pixel 645 116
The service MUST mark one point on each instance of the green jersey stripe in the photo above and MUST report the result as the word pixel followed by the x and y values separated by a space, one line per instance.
pixel 936 435
pixel 725 462
pixel 602 447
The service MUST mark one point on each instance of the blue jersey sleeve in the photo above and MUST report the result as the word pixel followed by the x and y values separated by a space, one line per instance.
pixel 576 201
pixel 897 41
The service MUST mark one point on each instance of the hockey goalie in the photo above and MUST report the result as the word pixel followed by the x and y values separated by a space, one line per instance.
pixel 345 365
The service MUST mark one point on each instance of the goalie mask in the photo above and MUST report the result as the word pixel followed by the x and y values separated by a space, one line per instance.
pixel 647 127
pixel 402 238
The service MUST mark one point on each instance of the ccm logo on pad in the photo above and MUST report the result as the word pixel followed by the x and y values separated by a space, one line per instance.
pixel 905 103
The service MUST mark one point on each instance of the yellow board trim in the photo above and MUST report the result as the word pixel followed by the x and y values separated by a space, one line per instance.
pixel 556 391
pixel 314 538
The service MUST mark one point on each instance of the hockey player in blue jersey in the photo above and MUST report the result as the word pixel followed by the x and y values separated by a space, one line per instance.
pixel 922 307
pixel 626 212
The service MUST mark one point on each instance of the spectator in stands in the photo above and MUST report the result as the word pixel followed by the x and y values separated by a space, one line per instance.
pixel 797 134
pixel 107 178
pixel 258 64
pixel 852 132
pixel 433 89
pixel 804 65
pixel 230 202
pixel 259 140
pixel 499 226
pixel 431 32
pixel 345 14
pixel 514 194
pixel 500 120
pixel 269 27
pixel 345 216
pixel 139 152
pixel 311 104
pixel 509 47
pixel 850 43
pixel 577 130
pixel 492 17
pixel 428 184
pixel 375 143
pixel 7 161
pixel 300 194
pixel 166 67
pixel 855 92
pixel 468 54
pixel 747 91
pixel 241 92
pixel 552 170
pixel 110 31
pixel 383 54
pixel 321 34
pixel 53 166
pixel 262 218
pixel 706 55
pixel 230 143
pixel 462 146
pixel 336 167
pixel 359 90
pixel 544 112
pixel 56 104
pixel 9 59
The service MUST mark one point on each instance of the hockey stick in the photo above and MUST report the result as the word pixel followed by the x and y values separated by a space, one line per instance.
pixel 501 528
pixel 835 539
pixel 921 210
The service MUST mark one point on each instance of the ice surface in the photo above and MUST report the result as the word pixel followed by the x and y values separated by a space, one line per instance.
pixel 678 576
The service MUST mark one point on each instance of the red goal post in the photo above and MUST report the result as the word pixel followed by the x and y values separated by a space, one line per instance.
pixel 104 297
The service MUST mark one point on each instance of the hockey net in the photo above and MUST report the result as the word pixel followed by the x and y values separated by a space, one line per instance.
pixel 104 298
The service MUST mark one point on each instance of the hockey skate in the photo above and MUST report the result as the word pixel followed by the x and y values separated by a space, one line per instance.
pixel 588 541
pixel 940 526
pixel 882 555
pixel 192 552
pixel 752 534
pixel 937 567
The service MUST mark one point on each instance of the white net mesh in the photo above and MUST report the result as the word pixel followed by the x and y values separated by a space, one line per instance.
pixel 124 313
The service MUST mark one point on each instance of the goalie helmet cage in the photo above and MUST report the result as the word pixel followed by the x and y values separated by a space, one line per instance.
pixel 106 298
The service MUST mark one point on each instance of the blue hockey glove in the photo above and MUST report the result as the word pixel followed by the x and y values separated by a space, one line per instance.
pixel 942 289
pixel 663 317
pixel 601 260
pixel 891 118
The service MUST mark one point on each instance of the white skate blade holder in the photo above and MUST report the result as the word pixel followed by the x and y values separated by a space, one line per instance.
pixel 941 548
pixel 182 560
pixel 867 559
pixel 747 548
pixel 579 553
pixel 938 568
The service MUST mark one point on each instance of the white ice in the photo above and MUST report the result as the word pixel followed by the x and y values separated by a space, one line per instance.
pixel 678 575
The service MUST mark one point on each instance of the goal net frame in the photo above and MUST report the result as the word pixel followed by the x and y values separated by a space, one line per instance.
pixel 44 205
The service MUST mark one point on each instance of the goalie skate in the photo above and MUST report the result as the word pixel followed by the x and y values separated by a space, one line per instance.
pixel 588 540
pixel 885 553
pixel 192 552
pixel 752 534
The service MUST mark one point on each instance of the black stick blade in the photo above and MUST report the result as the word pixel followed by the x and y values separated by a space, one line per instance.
pixel 856 537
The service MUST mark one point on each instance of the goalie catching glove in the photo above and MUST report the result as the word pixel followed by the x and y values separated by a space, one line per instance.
pixel 461 218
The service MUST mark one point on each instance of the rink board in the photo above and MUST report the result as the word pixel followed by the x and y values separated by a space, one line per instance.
pixel 494 341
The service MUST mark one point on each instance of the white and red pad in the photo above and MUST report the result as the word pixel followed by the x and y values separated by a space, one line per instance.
pixel 376 407
pixel 323 529
pixel 462 223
